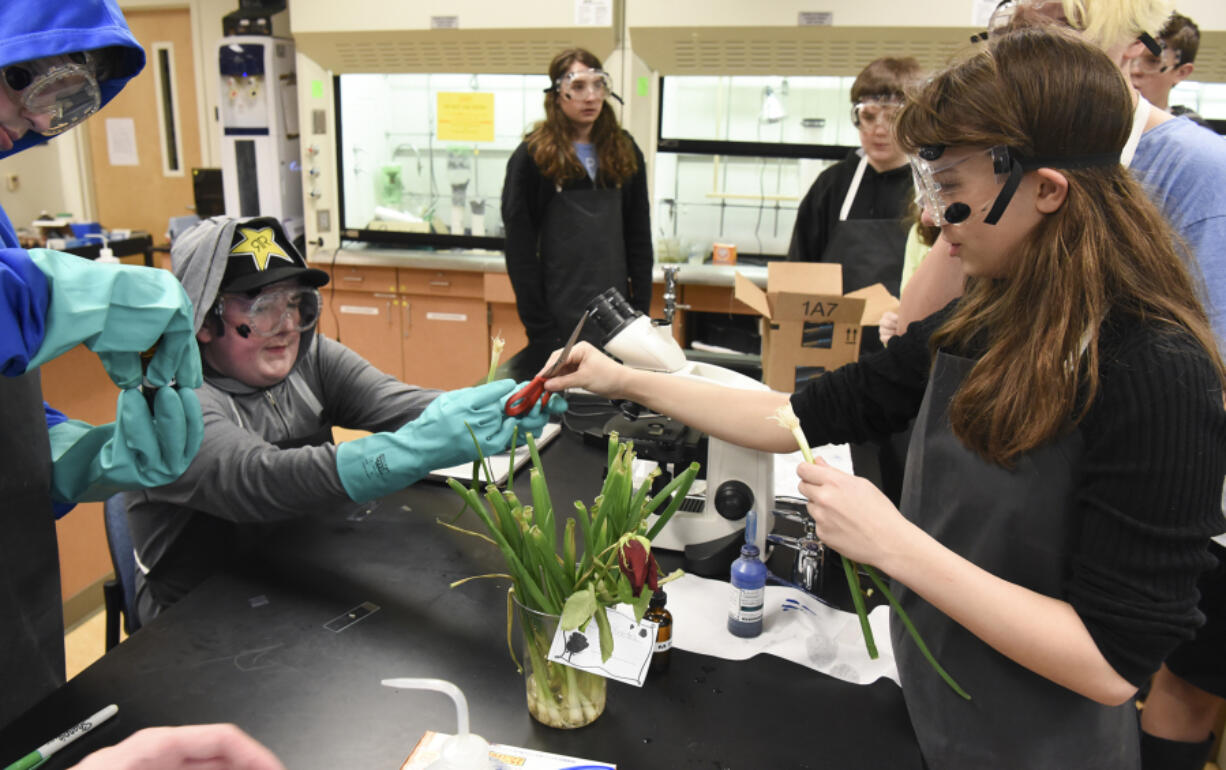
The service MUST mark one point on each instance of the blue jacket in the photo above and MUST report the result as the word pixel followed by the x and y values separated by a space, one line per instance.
pixel 31 29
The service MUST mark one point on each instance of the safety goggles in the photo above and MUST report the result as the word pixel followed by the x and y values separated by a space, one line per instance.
pixel 293 309
pixel 1150 63
pixel 1053 9
pixel 65 88
pixel 870 113
pixel 956 190
pixel 1005 9
pixel 579 84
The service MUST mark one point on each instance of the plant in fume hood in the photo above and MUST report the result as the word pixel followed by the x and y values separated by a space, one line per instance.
pixel 788 420
pixel 549 575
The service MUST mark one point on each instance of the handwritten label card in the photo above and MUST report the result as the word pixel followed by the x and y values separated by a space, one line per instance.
pixel 633 644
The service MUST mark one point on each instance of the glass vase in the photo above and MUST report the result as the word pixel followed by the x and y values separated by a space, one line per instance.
pixel 558 695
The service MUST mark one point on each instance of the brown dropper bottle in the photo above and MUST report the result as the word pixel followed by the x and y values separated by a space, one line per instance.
pixel 664 631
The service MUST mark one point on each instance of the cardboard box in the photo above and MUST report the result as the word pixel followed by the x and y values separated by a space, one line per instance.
pixel 429 750
pixel 723 253
pixel 809 326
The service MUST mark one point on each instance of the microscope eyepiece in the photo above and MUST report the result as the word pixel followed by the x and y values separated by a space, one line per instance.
pixel 608 314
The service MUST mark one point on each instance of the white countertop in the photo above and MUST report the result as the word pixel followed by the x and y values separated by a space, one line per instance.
pixel 494 262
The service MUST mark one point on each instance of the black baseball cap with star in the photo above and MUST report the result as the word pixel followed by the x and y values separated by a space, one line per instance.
pixel 261 254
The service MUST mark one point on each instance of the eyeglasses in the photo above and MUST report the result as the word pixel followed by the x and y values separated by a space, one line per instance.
pixel 871 112
pixel 267 314
pixel 944 184
pixel 63 87
pixel 581 83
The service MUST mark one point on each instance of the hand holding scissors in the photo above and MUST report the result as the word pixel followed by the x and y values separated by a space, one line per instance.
pixel 522 401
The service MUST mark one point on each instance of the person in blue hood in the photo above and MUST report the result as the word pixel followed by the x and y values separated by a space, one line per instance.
pixel 59 64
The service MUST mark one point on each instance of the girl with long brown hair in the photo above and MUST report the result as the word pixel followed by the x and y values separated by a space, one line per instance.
pixel 575 206
pixel 1067 461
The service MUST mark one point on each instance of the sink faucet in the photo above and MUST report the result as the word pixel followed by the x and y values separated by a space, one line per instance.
pixel 810 551
pixel 670 292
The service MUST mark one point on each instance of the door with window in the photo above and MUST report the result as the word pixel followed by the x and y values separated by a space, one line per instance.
pixel 144 144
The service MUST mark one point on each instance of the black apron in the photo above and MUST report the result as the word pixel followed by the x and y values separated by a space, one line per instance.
pixel 1021 526
pixel 583 252
pixel 31 611
pixel 870 250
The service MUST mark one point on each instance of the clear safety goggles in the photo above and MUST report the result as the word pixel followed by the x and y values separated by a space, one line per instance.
pixel 954 191
pixel 1053 9
pixel 870 113
pixel 1004 11
pixel 579 84
pixel 290 309
pixel 62 87
pixel 1149 63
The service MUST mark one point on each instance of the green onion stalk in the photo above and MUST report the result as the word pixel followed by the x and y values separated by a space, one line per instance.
pixel 497 344
pixel 788 420
pixel 601 559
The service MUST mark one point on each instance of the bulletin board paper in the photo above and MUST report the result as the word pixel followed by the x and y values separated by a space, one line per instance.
pixel 121 142
pixel 593 13
pixel 465 117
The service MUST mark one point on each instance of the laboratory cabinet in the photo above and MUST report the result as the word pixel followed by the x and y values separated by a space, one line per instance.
pixel 367 322
pixel 504 315
pixel 432 326
pixel 427 327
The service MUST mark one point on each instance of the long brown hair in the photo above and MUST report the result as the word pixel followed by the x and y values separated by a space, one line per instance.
pixel 1045 94
pixel 550 140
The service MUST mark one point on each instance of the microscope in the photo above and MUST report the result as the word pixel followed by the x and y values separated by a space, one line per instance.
pixel 737 479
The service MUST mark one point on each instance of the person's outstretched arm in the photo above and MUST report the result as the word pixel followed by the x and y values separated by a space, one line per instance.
pixel 731 414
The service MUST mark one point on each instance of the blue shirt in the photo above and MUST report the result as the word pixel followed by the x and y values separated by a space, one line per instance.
pixel 587 156
pixel 1183 168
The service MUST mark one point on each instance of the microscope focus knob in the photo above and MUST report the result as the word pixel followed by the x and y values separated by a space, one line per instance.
pixel 733 499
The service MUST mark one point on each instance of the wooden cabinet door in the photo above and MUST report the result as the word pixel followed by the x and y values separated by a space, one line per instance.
pixel 445 340
pixel 368 323
pixel 504 316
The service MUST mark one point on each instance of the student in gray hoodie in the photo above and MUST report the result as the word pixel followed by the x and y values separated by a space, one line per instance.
pixel 273 390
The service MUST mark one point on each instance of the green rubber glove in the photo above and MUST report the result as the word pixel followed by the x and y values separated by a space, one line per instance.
pixel 139 449
pixel 377 465
pixel 119 311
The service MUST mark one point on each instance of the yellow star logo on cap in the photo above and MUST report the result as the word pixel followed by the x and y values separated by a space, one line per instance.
pixel 261 244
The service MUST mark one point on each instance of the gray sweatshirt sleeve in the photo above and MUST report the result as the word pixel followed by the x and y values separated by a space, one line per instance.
pixel 357 395
pixel 239 476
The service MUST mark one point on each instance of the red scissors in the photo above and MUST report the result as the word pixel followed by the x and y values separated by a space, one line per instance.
pixel 524 399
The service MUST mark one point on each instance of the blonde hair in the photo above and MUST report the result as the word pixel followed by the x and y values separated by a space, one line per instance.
pixel 1110 23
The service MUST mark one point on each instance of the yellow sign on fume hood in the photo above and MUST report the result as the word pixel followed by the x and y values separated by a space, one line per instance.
pixel 465 117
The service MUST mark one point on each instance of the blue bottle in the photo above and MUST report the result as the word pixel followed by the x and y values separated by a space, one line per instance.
pixel 748 593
